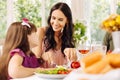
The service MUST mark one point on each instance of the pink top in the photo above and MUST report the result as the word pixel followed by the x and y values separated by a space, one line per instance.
pixel 28 61
pixel 53 57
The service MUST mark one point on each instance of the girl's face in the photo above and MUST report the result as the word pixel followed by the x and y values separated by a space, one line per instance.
pixel 33 39
pixel 58 20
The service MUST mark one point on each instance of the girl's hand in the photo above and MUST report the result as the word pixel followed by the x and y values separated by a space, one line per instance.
pixel 70 53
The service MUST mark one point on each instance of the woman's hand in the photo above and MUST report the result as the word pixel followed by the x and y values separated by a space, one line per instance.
pixel 70 53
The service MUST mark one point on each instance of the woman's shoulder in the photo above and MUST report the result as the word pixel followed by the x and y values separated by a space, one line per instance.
pixel 41 31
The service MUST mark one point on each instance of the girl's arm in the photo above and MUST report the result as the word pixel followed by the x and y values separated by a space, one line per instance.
pixel 16 70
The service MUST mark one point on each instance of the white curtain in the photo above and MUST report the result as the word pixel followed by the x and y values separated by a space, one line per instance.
pixel 113 6
pixel 10 12
pixel 43 13
pixel 80 10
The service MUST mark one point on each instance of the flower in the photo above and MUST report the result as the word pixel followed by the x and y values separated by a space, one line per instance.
pixel 112 23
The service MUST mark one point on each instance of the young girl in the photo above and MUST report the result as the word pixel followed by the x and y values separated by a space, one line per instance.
pixel 17 59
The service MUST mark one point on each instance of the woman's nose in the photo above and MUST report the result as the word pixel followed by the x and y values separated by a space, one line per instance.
pixel 56 22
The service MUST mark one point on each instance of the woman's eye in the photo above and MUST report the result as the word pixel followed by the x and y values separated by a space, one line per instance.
pixel 60 19
pixel 53 17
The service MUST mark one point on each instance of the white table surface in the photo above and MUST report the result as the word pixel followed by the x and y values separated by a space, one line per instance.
pixel 76 75
pixel 34 77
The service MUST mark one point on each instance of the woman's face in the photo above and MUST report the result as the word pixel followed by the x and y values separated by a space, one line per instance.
pixel 58 20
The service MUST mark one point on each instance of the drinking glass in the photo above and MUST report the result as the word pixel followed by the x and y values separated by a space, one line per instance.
pixel 99 48
pixel 83 50
pixel 98 43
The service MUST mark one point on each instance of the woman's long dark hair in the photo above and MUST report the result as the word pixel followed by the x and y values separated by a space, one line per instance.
pixel 67 37
pixel 17 37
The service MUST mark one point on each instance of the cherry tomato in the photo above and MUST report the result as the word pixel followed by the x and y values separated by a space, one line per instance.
pixel 64 71
pixel 75 64
pixel 60 72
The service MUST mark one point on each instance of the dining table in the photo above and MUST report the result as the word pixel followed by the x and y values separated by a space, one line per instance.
pixel 78 75
pixel 34 77
pixel 38 76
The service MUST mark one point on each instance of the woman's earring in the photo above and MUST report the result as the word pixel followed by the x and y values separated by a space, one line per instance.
pixel 62 30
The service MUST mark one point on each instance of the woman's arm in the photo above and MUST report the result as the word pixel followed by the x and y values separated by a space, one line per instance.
pixel 15 68
pixel 71 54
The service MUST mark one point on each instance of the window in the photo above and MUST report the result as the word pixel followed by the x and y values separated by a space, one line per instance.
pixel 93 13
pixel 100 9
pixel 28 9
pixel 3 14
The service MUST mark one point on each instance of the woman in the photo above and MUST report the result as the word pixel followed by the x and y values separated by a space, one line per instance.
pixel 56 40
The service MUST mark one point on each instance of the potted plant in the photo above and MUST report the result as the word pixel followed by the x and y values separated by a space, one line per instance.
pixel 79 32
pixel 112 24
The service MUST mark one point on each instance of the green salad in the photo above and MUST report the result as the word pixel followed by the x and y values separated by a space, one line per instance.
pixel 57 70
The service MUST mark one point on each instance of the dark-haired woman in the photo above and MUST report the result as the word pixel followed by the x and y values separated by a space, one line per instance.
pixel 56 45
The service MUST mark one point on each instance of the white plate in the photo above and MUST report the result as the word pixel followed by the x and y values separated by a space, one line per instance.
pixel 51 76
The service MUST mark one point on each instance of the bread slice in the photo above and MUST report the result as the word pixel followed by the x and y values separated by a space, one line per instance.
pixel 98 67
pixel 90 59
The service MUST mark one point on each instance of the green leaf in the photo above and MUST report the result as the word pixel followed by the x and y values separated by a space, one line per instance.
pixel 79 31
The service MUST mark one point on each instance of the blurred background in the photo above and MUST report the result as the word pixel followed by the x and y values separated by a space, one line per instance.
pixel 88 12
